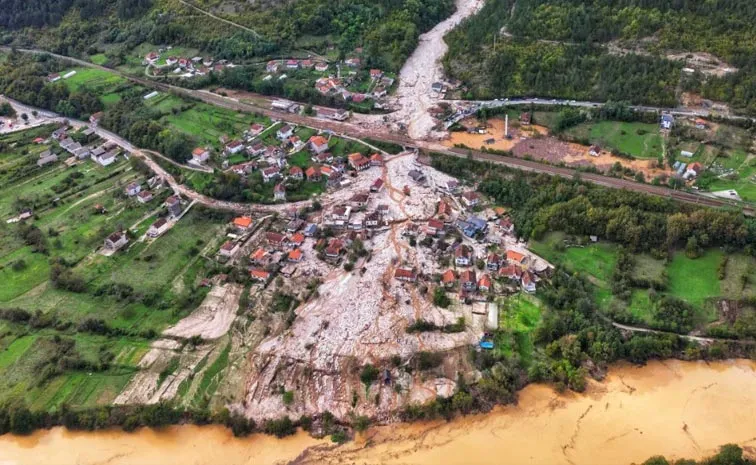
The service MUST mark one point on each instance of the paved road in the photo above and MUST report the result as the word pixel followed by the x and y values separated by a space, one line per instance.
pixel 354 130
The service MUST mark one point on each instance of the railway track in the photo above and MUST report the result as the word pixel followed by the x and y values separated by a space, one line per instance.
pixel 386 136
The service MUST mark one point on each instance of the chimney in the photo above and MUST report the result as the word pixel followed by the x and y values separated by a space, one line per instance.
pixel 506 125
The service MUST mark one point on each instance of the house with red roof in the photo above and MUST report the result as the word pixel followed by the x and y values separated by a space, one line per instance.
pixel 468 281
pixel 259 256
pixel 275 239
pixel 358 161
pixel 271 173
pixel 403 274
pixel 516 257
pixel 259 275
pixel 377 185
pixel 528 282
pixel 511 272
pixel 234 147
pixel 376 159
pixel 449 278
pixel 200 155
pixel 484 283
pixel 296 172
pixel 463 255
pixel 229 248
pixel 279 192
pixel 318 144
pixel 493 262
pixel 295 256
pixel 471 199
pixel 313 173
pixel 297 239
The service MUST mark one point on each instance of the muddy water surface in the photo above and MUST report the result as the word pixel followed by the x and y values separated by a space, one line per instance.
pixel 672 408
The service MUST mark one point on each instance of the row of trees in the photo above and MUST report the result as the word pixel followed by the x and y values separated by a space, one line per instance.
pixel 638 221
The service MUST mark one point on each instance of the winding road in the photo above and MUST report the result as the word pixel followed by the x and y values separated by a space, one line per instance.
pixel 357 131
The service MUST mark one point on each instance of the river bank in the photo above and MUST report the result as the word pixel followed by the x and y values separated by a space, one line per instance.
pixel 677 409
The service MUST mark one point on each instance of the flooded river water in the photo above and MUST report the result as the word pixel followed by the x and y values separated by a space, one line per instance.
pixel 673 408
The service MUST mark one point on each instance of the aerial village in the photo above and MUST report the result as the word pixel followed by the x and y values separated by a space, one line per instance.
pixel 388 219
pixel 164 62
pixel 438 233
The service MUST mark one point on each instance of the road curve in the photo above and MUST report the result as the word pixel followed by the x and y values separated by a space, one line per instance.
pixel 386 136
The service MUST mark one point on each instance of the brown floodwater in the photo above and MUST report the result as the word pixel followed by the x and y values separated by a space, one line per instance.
pixel 677 409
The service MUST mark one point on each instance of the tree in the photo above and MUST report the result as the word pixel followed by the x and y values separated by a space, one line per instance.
pixel 369 375
pixel 440 299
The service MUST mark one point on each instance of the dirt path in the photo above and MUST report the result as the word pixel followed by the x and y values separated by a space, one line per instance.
pixel 207 13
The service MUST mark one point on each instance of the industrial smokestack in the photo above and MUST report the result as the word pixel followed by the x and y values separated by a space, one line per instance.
pixel 506 125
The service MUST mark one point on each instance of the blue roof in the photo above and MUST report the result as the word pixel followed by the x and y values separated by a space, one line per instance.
pixel 486 345
pixel 668 118
pixel 478 223
pixel 311 227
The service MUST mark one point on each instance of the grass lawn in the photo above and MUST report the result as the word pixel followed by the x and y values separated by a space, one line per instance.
pixel 16 283
pixel 151 267
pixel 640 306
pixel 208 123
pixel 95 80
pixel 341 147
pixel 519 315
pixel 647 267
pixel 694 280
pixel 15 351
pixel 640 140
pixel 99 59
pixel 301 159
pixel 595 260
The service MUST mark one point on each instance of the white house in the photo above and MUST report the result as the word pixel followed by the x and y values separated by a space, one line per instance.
pixel 158 227
pixel 107 158
pixel 116 240
pixel 285 132
pixel 133 189
pixel 471 198
pixel 279 192
pixel 270 174
pixel 463 255
pixel 200 155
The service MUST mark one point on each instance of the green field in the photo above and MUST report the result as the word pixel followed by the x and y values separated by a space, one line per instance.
pixel 99 59
pixel 94 80
pixel 519 315
pixel 694 280
pixel 208 123
pixel 596 261
pixel 140 290
pixel 640 140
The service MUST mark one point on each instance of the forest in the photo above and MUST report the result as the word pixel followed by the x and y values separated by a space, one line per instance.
pixel 604 49
pixel 387 29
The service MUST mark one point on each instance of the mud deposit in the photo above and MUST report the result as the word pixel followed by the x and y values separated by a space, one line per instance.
pixel 678 409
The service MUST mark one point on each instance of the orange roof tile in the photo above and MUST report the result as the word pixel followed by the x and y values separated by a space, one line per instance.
pixel 242 221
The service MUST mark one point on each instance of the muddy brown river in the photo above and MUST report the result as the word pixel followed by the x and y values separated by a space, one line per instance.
pixel 678 409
